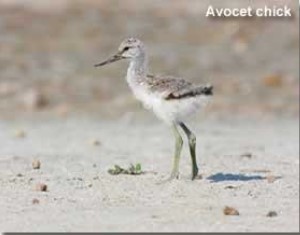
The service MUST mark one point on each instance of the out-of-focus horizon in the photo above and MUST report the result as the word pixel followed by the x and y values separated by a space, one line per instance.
pixel 48 49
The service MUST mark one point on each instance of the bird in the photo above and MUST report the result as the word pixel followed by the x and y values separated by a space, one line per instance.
pixel 173 100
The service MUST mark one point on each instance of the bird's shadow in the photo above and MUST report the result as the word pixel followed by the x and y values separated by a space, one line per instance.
pixel 221 177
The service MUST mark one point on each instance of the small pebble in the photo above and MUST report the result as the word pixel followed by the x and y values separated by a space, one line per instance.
pixel 95 142
pixel 41 187
pixel 230 211
pixel 30 179
pixel 273 80
pixel 35 201
pixel 272 214
pixel 20 134
pixel 36 164
pixel 33 99
pixel 231 187
pixel 246 155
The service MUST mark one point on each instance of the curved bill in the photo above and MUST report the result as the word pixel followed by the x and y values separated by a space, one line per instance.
pixel 112 59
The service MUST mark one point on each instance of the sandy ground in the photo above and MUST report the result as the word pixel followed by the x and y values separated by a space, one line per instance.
pixel 234 157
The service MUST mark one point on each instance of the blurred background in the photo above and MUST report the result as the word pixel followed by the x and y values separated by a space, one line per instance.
pixel 48 49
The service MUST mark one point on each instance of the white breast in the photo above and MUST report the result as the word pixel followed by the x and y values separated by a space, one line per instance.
pixel 169 111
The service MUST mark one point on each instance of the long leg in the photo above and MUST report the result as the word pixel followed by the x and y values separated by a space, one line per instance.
pixel 178 147
pixel 192 145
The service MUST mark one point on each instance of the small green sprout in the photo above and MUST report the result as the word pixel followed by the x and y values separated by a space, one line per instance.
pixel 131 170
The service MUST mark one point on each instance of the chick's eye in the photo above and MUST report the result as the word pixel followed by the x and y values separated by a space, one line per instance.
pixel 126 49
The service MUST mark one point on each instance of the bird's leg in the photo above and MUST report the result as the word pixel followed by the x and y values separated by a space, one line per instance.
pixel 178 147
pixel 192 145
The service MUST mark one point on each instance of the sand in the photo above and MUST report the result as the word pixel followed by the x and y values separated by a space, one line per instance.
pixel 250 165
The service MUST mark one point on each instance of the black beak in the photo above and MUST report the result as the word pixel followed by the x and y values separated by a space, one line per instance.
pixel 112 59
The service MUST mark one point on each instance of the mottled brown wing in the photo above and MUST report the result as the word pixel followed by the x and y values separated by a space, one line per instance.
pixel 168 85
pixel 176 88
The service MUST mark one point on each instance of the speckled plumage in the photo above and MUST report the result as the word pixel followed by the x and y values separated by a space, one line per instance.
pixel 176 88
pixel 171 99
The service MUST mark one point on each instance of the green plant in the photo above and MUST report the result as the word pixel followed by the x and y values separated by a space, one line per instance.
pixel 131 170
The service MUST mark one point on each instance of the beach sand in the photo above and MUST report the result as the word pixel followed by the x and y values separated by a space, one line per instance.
pixel 250 165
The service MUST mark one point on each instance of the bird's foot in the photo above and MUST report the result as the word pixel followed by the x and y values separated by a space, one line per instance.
pixel 194 173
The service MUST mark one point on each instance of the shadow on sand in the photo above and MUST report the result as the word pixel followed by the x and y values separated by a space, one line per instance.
pixel 220 177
